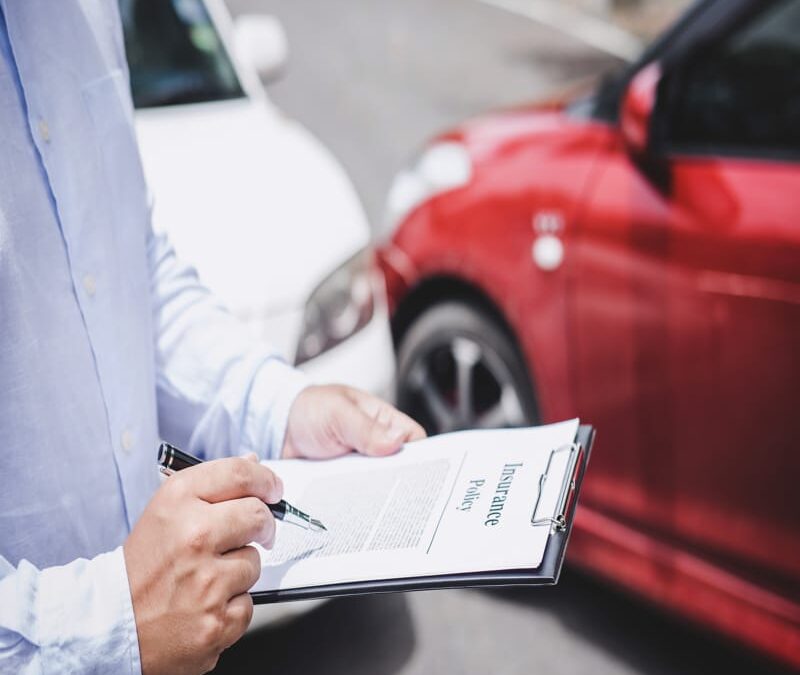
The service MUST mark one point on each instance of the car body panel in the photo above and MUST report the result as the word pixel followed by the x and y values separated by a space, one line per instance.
pixel 691 303
pixel 534 170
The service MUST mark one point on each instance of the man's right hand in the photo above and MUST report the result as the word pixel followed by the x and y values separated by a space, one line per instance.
pixel 189 565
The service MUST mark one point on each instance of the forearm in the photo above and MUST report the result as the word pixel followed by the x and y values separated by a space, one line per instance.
pixel 219 391
pixel 73 618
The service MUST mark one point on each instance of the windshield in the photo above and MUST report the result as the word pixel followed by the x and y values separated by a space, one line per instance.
pixel 175 54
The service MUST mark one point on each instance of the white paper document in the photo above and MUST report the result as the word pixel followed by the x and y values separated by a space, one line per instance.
pixel 459 502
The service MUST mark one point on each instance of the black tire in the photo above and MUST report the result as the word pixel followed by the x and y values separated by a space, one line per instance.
pixel 439 344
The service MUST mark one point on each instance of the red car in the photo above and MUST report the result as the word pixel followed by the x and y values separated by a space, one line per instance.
pixel 632 257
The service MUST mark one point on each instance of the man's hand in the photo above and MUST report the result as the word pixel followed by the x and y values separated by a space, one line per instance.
pixel 189 565
pixel 329 421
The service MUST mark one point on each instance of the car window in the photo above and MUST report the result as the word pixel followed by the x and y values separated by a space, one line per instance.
pixel 741 96
pixel 175 54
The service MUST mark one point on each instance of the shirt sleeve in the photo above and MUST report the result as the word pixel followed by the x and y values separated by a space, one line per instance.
pixel 219 391
pixel 77 618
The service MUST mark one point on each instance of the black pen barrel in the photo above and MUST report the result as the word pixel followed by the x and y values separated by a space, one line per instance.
pixel 278 510
pixel 174 459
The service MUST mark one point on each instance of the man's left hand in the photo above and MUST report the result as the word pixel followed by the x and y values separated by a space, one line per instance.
pixel 329 421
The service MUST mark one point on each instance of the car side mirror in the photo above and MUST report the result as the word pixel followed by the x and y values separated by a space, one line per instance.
pixel 260 42
pixel 638 106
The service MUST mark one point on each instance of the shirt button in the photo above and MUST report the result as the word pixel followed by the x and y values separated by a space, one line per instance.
pixel 127 440
pixel 44 131
pixel 89 285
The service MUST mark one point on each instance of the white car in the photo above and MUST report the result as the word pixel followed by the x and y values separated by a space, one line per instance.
pixel 249 197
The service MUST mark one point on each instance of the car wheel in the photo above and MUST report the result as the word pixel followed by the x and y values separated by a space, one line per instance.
pixel 458 369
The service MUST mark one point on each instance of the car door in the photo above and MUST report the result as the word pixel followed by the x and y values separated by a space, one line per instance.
pixel 618 313
pixel 685 309
pixel 730 128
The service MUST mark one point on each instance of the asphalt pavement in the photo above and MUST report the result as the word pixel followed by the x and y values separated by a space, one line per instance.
pixel 579 627
pixel 373 79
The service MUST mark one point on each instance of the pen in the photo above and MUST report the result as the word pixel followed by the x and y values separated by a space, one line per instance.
pixel 171 459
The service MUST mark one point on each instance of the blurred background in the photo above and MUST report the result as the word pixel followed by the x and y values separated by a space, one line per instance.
pixel 383 77
pixel 509 212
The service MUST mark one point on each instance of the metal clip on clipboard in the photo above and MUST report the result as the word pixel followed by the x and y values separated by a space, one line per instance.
pixel 558 522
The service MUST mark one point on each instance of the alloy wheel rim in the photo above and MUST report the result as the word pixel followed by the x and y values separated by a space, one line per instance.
pixel 461 383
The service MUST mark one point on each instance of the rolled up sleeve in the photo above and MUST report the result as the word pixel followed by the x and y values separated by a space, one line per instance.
pixel 76 618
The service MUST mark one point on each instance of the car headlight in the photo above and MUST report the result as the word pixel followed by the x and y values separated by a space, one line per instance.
pixel 443 166
pixel 339 307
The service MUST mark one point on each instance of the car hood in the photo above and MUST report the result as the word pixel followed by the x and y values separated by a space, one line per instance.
pixel 501 132
pixel 251 199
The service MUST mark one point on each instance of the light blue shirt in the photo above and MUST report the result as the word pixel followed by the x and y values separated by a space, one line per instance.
pixel 107 343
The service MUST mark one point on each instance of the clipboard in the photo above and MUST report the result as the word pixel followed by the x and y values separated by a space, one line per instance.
pixel 547 574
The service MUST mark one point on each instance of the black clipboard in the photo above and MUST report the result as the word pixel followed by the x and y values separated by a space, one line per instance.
pixel 546 574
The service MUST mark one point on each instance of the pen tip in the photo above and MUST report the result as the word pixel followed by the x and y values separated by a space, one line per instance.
pixel 318 526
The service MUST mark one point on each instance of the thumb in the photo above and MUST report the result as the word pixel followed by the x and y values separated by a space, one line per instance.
pixel 369 435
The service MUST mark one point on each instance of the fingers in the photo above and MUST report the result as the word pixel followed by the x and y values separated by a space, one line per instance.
pixel 240 569
pixel 238 614
pixel 373 427
pixel 362 433
pixel 410 429
pixel 237 522
pixel 392 428
pixel 231 478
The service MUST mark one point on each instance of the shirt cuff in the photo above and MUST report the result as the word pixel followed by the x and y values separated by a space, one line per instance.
pixel 273 391
pixel 86 619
